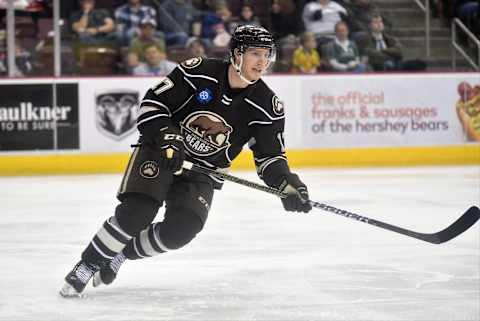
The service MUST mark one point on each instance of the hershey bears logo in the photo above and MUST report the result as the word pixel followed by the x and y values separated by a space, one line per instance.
pixel 192 62
pixel 149 169
pixel 205 133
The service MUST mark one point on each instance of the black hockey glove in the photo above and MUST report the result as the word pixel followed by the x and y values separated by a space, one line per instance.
pixel 167 139
pixel 297 198
pixel 317 15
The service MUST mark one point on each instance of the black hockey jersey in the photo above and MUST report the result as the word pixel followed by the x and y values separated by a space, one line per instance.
pixel 216 121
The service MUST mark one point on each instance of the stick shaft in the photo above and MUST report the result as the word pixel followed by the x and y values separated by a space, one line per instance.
pixel 462 224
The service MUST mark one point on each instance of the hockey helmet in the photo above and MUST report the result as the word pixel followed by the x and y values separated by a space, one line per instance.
pixel 246 36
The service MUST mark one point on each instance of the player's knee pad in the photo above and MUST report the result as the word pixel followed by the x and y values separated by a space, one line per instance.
pixel 136 212
pixel 180 228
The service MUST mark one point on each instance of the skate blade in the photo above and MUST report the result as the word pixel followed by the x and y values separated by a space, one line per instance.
pixel 97 279
pixel 68 291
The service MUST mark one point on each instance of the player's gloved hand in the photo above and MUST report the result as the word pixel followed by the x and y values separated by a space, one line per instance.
pixel 297 198
pixel 167 140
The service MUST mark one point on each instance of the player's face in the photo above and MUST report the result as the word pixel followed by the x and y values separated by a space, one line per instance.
pixel 255 62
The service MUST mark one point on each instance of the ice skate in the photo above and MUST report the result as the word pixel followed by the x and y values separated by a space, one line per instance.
pixel 78 278
pixel 107 274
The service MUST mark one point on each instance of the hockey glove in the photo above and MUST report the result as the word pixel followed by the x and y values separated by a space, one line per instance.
pixel 297 199
pixel 317 15
pixel 167 139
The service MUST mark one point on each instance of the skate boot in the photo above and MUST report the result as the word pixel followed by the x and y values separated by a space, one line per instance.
pixel 108 273
pixel 78 278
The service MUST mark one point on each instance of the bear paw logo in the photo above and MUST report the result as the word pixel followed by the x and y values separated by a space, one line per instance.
pixel 149 169
pixel 192 62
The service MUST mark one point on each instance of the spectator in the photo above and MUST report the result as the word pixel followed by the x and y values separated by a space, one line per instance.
pixel 177 17
pixel 320 17
pixel 306 58
pixel 222 37
pixel 384 52
pixel 248 17
pixel 468 12
pixel 360 13
pixel 156 63
pixel 343 54
pixel 195 48
pixel 211 20
pixel 92 25
pixel 23 62
pixel 128 18
pixel 136 53
pixel 284 21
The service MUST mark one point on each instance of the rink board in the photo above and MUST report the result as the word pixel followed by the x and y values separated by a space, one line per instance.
pixel 116 162
pixel 330 121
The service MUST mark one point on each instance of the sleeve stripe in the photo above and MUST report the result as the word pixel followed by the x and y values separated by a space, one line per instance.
pixel 259 122
pixel 262 167
pixel 190 83
pixel 263 111
pixel 183 105
pixel 156 103
pixel 150 118
pixel 148 109
pixel 197 76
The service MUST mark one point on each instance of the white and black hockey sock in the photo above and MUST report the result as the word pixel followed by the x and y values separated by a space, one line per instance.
pixel 108 241
pixel 146 244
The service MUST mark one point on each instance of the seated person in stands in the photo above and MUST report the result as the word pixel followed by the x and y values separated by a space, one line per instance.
pixel 147 37
pixel 360 13
pixel 320 18
pixel 284 21
pixel 156 63
pixel 195 48
pixel 128 18
pixel 176 18
pixel 248 17
pixel 222 37
pixel 91 25
pixel 384 52
pixel 209 28
pixel 306 58
pixel 23 62
pixel 342 53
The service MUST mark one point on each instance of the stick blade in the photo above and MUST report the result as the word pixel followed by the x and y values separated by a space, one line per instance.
pixel 465 221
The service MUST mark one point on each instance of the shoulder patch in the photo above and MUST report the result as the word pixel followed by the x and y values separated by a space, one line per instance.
pixel 277 106
pixel 192 62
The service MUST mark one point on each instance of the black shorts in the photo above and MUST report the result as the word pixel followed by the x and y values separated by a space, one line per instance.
pixel 187 191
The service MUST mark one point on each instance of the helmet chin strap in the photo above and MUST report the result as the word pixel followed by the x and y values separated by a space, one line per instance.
pixel 238 69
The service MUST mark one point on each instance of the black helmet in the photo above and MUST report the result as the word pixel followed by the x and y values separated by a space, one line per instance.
pixel 246 36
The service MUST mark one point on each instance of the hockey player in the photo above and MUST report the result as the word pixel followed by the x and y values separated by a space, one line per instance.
pixel 205 111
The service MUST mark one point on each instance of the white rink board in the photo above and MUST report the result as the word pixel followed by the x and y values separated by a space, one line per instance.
pixel 308 104
pixel 384 110
pixel 322 111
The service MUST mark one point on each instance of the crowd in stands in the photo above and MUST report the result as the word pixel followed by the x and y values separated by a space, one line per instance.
pixel 142 37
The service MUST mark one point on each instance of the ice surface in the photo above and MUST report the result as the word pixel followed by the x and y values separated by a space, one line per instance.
pixel 253 261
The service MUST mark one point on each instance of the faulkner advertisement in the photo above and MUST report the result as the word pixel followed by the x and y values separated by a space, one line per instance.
pixel 29 120
pixel 388 111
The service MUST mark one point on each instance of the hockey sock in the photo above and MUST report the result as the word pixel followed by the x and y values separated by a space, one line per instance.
pixel 108 241
pixel 147 243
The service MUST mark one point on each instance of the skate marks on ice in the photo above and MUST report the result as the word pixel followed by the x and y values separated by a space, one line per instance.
pixel 257 263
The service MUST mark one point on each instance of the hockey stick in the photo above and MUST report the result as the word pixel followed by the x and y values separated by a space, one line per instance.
pixel 458 227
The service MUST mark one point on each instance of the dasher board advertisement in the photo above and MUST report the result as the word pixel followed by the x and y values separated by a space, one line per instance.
pixel 31 120
pixel 390 110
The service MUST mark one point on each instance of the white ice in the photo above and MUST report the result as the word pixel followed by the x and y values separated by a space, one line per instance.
pixel 253 261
